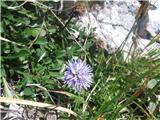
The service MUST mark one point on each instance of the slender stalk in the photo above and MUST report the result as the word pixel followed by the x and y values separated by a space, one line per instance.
pixel 12 42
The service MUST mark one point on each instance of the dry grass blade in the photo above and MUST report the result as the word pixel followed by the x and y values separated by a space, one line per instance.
pixel 89 95
pixel 62 92
pixel 36 104
pixel 12 42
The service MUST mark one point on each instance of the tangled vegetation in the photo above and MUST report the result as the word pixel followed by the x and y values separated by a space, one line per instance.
pixel 36 44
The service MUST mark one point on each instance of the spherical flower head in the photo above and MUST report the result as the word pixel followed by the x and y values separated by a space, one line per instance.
pixel 78 74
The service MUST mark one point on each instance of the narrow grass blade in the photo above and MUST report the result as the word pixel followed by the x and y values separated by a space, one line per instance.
pixel 36 104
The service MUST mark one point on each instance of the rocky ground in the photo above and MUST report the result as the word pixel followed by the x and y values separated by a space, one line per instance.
pixel 114 19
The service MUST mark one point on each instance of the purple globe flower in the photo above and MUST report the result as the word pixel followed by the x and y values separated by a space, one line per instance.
pixel 78 75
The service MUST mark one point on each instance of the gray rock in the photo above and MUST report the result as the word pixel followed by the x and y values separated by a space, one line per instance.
pixel 114 19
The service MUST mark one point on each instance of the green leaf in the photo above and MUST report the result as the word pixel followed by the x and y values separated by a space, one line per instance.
pixel 3 72
pixel 28 13
pixel 41 41
pixel 30 32
pixel 27 78
pixel 11 18
pixel 7 91
pixel 1 27
pixel 43 88
pixel 28 92
pixel 60 53
pixel 49 81
pixel 73 96
pixel 22 20
pixel 22 53
pixel 52 30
